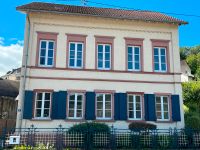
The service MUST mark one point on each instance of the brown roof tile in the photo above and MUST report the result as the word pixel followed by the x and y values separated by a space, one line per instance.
pixel 101 12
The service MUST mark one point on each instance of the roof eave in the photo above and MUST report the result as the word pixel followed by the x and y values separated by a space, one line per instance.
pixel 78 14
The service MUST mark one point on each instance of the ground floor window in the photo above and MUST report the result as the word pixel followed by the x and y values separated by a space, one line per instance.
pixel 75 106
pixel 134 107
pixel 42 105
pixel 103 106
pixel 162 108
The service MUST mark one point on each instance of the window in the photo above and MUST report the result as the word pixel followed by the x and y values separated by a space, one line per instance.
pixel 46 55
pixel 75 55
pixel 135 107
pixel 160 64
pixel 104 106
pixel 104 56
pixel 134 58
pixel 42 105
pixel 162 108
pixel 75 106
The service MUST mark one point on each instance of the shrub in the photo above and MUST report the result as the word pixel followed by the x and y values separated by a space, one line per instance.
pixel 141 126
pixel 193 122
pixel 90 126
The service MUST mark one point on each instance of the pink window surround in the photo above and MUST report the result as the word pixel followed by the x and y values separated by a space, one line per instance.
pixel 134 42
pixel 165 44
pixel 70 91
pixel 104 40
pixel 170 106
pixel 143 109
pixel 34 98
pixel 112 105
pixel 76 38
pixel 46 36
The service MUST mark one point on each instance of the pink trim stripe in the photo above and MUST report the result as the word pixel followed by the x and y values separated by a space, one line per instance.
pixel 110 71
pixel 106 80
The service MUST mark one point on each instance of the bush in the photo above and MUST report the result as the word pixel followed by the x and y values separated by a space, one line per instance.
pixel 193 122
pixel 90 126
pixel 141 126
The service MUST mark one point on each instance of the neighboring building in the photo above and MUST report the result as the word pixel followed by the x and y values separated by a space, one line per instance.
pixel 8 104
pixel 14 75
pixel 105 65
pixel 186 72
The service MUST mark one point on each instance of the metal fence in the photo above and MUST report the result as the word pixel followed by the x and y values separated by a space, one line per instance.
pixel 62 138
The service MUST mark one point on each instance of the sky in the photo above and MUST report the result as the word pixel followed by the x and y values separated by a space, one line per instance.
pixel 13 22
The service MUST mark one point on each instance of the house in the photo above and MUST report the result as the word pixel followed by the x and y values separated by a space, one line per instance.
pixel 186 72
pixel 13 75
pixel 99 64
pixel 8 104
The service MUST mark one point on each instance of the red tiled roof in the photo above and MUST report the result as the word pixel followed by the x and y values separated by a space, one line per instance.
pixel 100 12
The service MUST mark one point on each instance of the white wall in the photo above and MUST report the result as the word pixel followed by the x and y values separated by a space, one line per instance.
pixel 90 26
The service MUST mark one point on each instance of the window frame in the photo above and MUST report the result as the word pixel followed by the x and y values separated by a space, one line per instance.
pixel 42 105
pixel 159 57
pixel 46 36
pixel 103 59
pixel 76 51
pixel 103 109
pixel 164 44
pixel 46 52
pixel 133 58
pixel 75 105
pixel 162 108
pixel 134 106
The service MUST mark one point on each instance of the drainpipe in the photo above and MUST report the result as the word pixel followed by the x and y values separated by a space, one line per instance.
pixel 23 81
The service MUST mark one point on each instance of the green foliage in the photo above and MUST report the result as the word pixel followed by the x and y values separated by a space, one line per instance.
pixel 191 92
pixel 141 126
pixel 197 74
pixel 186 51
pixel 38 147
pixel 193 122
pixel 90 126
pixel 194 62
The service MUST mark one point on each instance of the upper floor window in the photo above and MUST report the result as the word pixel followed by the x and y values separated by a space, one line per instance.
pixel 134 58
pixel 104 56
pixel 46 57
pixel 75 106
pixel 42 105
pixel 75 55
pixel 160 63
pixel 162 108
pixel 76 47
pixel 134 107
pixel 160 57
pixel 104 106
pixel 46 49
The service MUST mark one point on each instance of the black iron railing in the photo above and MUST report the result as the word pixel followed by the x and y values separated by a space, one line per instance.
pixel 62 138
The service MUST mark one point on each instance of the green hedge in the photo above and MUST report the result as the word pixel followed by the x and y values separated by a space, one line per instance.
pixel 90 126
pixel 141 126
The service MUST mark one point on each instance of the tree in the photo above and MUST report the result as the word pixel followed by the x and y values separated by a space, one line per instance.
pixel 194 62
pixel 191 93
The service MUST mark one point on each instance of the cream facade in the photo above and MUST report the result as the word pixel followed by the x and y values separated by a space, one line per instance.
pixel 62 78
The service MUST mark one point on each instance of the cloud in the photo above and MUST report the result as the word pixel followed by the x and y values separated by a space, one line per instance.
pixel 10 56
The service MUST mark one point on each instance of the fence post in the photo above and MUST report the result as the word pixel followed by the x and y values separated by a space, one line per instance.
pixel 113 138
pixel 31 136
pixel 175 143
pixel 154 140
pixel 59 138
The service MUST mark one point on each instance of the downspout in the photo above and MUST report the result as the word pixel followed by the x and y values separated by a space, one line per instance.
pixel 21 107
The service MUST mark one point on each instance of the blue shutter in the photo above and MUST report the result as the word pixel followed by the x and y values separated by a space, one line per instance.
pixel 123 106
pixel 28 105
pixel 146 116
pixel 150 107
pixel 54 109
pixel 176 114
pixel 117 106
pixel 90 106
pixel 59 105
